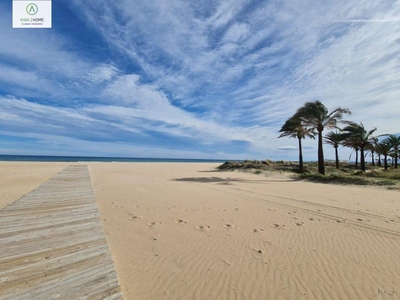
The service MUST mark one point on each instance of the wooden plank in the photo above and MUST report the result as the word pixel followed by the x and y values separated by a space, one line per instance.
pixel 52 244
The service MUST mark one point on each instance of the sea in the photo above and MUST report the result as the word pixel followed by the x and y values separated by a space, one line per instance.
pixel 102 159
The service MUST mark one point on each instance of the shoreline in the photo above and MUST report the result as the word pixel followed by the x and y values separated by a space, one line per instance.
pixel 92 159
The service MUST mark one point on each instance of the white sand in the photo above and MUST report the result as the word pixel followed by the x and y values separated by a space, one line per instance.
pixel 20 178
pixel 184 231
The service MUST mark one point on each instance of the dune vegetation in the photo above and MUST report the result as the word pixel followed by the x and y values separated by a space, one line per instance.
pixel 347 173
pixel 311 121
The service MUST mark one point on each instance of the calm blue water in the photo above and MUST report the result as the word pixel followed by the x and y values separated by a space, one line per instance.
pixel 104 159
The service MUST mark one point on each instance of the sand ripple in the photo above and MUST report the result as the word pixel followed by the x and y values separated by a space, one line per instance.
pixel 254 238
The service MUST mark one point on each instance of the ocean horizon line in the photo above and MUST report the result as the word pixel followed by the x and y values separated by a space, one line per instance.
pixel 67 158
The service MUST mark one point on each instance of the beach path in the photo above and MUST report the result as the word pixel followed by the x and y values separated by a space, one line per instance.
pixel 52 244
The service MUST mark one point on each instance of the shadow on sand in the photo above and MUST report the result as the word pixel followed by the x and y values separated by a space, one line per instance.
pixel 229 180
pixel 210 179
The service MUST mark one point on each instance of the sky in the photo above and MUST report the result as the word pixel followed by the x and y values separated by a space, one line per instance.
pixel 194 79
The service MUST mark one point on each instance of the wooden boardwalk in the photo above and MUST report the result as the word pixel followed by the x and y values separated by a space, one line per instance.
pixel 52 244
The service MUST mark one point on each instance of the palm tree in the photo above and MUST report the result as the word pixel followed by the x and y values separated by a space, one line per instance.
pixel 315 115
pixel 294 129
pixel 334 139
pixel 371 147
pixel 383 148
pixel 356 149
pixel 351 143
pixel 378 152
pixel 379 157
pixel 394 142
pixel 358 134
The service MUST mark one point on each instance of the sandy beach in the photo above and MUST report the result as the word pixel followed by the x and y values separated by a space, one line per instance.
pixel 187 231
pixel 20 178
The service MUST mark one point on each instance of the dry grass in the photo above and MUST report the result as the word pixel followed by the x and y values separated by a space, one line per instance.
pixel 346 174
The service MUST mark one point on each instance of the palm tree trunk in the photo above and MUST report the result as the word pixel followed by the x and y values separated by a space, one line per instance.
pixel 386 164
pixel 362 159
pixel 379 161
pixel 321 166
pixel 356 157
pixel 373 158
pixel 300 155
pixel 337 157
pixel 395 159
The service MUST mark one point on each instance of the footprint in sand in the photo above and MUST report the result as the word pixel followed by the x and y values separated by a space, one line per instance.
pixel 153 224
pixel 227 262
pixel 116 206
pixel 132 217
pixel 300 224
pixel 203 228
pixel 229 226
pixel 360 220
pixel 277 226
pixel 311 219
pixel 257 230
pixel 339 221
pixel 180 221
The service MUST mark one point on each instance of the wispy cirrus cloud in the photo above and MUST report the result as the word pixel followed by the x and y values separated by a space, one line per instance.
pixel 102 73
pixel 164 127
pixel 369 21
pixel 211 75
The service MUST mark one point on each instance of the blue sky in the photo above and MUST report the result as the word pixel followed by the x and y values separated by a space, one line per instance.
pixel 193 79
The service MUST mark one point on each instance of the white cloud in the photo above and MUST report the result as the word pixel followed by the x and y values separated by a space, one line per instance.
pixel 51 144
pixel 369 21
pixel 41 50
pixel 96 122
pixel 145 101
pixel 226 12
pixel 102 73
pixel 236 33
pixel 28 82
